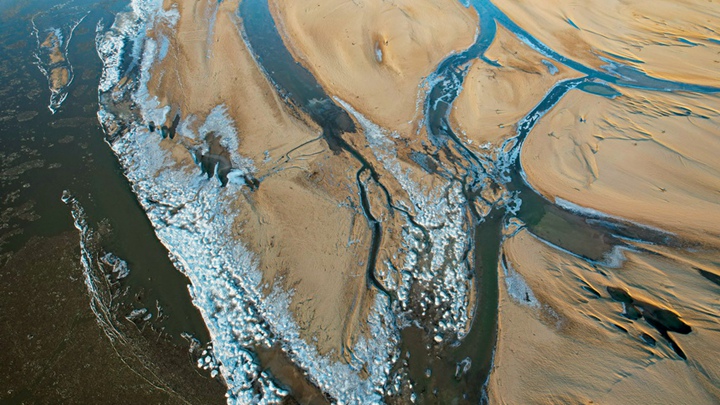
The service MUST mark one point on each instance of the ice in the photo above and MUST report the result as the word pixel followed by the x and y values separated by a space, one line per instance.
pixel 119 267
pixel 193 218
pixel 517 288
pixel 441 212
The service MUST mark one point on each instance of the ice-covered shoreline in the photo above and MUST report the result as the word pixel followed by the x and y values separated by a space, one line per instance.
pixel 192 218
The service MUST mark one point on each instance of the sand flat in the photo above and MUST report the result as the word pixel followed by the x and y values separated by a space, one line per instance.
pixel 375 54
pixel 308 244
pixel 645 157
pixel 308 239
pixel 675 40
pixel 196 76
pixel 494 99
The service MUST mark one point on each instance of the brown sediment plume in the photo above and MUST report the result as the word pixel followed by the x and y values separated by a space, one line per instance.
pixel 573 341
pixel 495 98
pixel 375 54
pixel 674 40
pixel 308 237
pixel 646 157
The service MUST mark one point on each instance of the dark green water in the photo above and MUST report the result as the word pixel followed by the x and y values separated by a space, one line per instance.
pixel 73 155
pixel 41 155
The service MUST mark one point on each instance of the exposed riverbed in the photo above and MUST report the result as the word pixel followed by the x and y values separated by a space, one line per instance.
pixel 252 208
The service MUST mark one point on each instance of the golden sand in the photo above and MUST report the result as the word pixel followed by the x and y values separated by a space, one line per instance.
pixel 494 99
pixel 646 157
pixel 307 238
pixel 59 77
pixel 53 44
pixel 567 349
pixel 668 39
pixel 375 54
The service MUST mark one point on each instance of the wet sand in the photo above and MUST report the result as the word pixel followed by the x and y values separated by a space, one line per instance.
pixel 645 157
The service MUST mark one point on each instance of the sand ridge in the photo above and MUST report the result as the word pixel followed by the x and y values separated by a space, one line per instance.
pixel 570 347
pixel 309 240
pixel 644 156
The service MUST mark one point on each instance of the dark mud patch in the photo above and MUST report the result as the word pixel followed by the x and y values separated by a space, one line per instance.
pixel 663 320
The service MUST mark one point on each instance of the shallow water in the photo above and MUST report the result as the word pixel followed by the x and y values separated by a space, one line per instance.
pixel 44 154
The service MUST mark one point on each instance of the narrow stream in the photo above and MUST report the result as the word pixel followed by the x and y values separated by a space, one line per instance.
pixel 301 89
pixel 44 154
pixel 458 372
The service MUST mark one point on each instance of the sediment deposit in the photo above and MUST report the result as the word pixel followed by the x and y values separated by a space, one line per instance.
pixel 332 175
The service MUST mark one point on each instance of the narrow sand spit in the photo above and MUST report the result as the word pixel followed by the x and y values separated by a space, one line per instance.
pixel 375 54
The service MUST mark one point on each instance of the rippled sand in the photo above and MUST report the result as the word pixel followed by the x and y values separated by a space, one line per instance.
pixel 643 156
pixel 572 343
pixel 676 40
